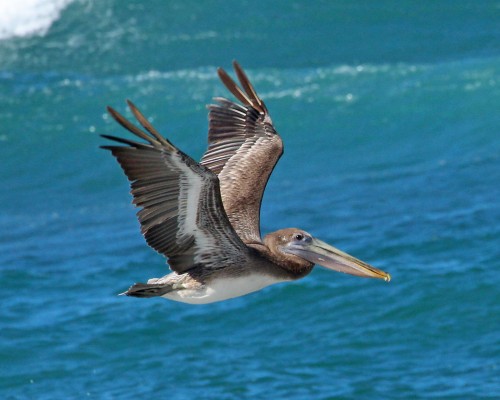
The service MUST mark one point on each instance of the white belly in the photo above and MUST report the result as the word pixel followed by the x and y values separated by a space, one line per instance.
pixel 222 289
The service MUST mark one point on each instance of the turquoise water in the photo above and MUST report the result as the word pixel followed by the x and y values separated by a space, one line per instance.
pixel 390 117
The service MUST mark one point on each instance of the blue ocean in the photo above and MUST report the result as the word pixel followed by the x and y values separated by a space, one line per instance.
pixel 390 116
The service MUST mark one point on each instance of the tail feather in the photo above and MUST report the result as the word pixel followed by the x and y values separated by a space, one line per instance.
pixel 147 290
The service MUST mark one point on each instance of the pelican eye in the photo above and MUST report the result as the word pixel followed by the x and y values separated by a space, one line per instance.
pixel 299 236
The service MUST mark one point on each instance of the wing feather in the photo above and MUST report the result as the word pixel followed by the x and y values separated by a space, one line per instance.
pixel 243 150
pixel 181 211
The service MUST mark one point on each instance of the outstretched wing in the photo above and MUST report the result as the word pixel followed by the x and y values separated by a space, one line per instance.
pixel 181 215
pixel 243 149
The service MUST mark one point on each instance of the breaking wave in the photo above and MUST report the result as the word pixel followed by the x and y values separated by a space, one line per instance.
pixel 24 18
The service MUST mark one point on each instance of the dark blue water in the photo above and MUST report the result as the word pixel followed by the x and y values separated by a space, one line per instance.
pixel 390 117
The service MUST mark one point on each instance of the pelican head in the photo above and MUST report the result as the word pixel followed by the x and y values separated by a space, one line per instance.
pixel 297 245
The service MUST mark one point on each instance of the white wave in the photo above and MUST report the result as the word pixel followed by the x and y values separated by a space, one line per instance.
pixel 20 18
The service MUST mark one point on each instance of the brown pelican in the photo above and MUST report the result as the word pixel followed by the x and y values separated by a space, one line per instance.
pixel 204 217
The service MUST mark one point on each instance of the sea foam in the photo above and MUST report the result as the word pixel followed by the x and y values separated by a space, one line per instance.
pixel 23 18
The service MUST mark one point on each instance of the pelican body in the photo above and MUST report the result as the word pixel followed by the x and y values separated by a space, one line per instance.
pixel 205 217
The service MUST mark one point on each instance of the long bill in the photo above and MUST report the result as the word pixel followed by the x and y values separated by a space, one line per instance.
pixel 321 253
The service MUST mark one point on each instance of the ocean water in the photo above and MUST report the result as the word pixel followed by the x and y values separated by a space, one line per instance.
pixel 389 112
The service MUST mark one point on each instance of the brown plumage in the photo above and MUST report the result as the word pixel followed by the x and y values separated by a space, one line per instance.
pixel 205 217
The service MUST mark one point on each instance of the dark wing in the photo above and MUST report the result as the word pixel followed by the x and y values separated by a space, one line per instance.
pixel 243 149
pixel 181 216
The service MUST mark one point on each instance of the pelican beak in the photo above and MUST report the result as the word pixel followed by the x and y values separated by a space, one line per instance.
pixel 321 253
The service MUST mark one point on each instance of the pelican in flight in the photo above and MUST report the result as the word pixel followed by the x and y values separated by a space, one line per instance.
pixel 204 217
